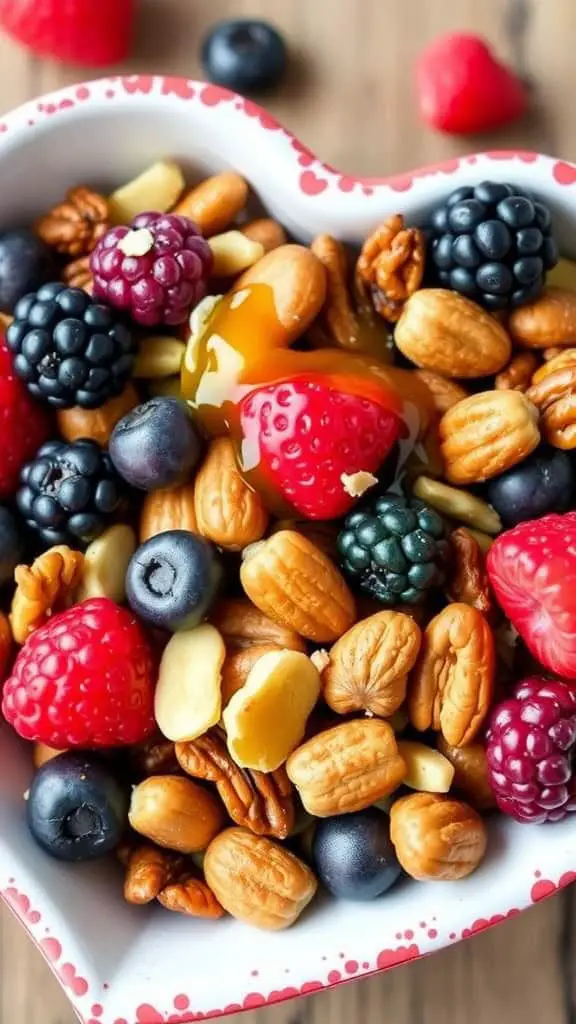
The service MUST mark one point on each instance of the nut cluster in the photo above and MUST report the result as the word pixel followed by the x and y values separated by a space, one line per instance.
pixel 294 695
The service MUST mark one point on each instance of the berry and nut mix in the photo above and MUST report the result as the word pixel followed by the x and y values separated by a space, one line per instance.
pixel 253 593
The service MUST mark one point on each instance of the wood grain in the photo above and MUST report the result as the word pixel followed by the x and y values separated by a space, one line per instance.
pixel 349 96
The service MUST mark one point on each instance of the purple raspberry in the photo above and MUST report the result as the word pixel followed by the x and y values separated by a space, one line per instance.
pixel 158 275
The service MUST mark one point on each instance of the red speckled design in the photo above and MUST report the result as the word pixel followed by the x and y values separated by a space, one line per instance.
pixel 313 179
pixel 182 1011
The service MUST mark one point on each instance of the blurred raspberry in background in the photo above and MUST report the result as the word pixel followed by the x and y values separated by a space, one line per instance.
pixel 92 32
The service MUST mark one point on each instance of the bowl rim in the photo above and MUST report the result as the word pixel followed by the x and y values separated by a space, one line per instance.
pixel 310 178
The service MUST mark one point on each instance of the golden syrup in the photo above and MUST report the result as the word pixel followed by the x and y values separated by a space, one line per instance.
pixel 241 346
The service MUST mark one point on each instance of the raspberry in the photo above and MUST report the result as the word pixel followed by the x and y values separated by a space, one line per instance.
pixel 531 751
pixel 85 679
pixel 24 425
pixel 163 284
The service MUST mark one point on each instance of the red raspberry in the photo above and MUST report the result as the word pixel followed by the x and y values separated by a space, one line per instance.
pixel 531 751
pixel 85 679
pixel 24 425
pixel 163 284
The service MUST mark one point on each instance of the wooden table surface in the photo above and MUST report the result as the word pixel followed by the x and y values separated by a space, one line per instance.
pixel 349 97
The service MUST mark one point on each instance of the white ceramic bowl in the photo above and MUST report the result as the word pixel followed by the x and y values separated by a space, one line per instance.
pixel 121 965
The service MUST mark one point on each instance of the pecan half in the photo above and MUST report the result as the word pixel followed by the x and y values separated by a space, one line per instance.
pixel 154 874
pixel 445 393
pixel 341 322
pixel 78 274
pixel 468 581
pixel 391 265
pixel 518 374
pixel 190 895
pixel 148 871
pixel 74 226
pixel 437 838
pixel 347 768
pixel 553 392
pixel 42 588
pixel 451 687
pixel 260 802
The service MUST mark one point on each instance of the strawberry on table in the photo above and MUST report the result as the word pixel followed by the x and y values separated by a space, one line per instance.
pixel 462 89
pixel 532 570
pixel 306 437
pixel 93 32
pixel 85 679
pixel 24 425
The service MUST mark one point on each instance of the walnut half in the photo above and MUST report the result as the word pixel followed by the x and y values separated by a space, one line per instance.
pixel 391 265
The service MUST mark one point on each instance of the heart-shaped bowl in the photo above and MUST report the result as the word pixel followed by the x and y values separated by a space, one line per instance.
pixel 119 964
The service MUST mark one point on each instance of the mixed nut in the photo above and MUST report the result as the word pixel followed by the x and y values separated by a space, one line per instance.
pixel 276 615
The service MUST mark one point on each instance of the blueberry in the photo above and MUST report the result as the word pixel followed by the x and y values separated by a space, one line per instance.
pixel 244 54
pixel 155 445
pixel 76 808
pixel 353 855
pixel 172 580
pixel 544 482
pixel 10 546
pixel 25 263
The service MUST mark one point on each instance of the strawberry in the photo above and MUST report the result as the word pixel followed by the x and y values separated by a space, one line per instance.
pixel 532 570
pixel 93 32
pixel 85 679
pixel 24 425
pixel 305 433
pixel 462 89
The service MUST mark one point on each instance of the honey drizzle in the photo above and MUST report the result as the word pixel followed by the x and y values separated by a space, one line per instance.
pixel 241 346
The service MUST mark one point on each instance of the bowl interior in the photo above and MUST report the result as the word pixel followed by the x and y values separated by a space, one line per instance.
pixel 104 951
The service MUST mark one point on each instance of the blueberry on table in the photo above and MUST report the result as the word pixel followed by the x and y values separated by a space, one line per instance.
pixel 544 482
pixel 26 262
pixel 156 445
pixel 10 546
pixel 353 855
pixel 172 580
pixel 76 808
pixel 245 55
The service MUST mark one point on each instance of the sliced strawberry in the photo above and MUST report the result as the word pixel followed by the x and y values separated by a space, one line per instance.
pixel 532 570
pixel 306 436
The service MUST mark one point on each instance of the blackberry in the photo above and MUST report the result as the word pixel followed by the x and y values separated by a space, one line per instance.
pixel 69 349
pixel 69 492
pixel 493 244
pixel 394 549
